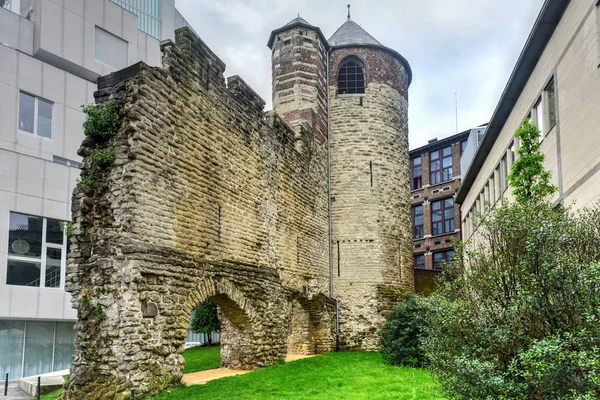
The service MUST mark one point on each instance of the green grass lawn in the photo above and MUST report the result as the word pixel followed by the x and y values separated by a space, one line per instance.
pixel 201 358
pixel 330 376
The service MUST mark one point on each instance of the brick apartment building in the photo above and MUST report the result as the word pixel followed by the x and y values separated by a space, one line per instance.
pixel 435 178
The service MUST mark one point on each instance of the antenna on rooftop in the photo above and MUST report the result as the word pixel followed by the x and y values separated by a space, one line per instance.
pixel 456 106
pixel 348 11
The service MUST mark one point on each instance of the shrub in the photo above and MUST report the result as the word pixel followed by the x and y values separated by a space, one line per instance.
pixel 86 180
pixel 102 121
pixel 103 157
pixel 399 338
pixel 517 313
pixel 205 319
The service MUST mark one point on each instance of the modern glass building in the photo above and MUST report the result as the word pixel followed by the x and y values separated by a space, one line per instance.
pixel 51 55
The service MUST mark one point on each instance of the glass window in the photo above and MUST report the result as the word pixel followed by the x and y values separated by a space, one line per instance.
pixel 12 337
pixel 503 174
pixel 148 13
pixel 440 165
pixel 513 152
pixel 44 119
pixel 463 145
pixel 35 115
pixel 538 113
pixel 442 216
pixel 418 231
pixel 110 49
pixel 351 78
pixel 64 345
pixel 30 237
pixel 551 103
pixel 416 172
pixel 26 112
pixel 441 256
pixel 419 261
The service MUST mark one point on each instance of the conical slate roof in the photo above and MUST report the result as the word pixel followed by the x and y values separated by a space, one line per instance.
pixel 296 22
pixel 350 33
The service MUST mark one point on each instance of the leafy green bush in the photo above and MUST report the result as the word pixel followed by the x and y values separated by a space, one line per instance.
pixel 103 157
pixel 517 314
pixel 205 319
pixel 399 338
pixel 102 121
pixel 86 180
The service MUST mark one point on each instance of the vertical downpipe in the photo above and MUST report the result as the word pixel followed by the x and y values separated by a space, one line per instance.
pixel 337 307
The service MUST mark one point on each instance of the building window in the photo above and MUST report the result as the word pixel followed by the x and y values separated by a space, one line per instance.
pixel 11 5
pixel 463 145
pixel 497 184
pixel 441 256
pixel 512 149
pixel 64 161
pixel 417 218
pixel 416 173
pixel 148 13
pixel 351 78
pixel 492 191
pixel 538 115
pixel 550 97
pixel 110 49
pixel 419 261
pixel 503 174
pixel 35 115
pixel 442 216
pixel 440 165
pixel 36 251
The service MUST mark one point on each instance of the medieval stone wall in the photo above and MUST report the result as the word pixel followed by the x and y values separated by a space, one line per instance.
pixel 208 198
pixel 372 237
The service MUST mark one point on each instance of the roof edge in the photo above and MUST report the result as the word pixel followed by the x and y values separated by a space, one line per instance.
pixel 297 25
pixel 541 33
pixel 393 52
pixel 449 139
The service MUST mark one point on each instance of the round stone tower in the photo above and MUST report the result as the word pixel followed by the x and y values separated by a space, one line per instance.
pixel 370 194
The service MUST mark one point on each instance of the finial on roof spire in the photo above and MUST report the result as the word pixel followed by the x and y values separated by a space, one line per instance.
pixel 298 14
pixel 348 11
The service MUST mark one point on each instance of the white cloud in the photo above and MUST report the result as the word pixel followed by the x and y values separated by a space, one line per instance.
pixel 464 46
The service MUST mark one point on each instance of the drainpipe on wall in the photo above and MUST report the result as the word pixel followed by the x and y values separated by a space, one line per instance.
pixel 337 307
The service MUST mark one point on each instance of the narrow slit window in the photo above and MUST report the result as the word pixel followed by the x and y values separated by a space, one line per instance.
pixel 351 78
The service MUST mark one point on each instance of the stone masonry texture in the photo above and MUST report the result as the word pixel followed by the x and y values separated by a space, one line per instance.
pixel 370 194
pixel 209 197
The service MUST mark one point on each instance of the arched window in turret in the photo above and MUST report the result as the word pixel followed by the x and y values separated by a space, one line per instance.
pixel 351 78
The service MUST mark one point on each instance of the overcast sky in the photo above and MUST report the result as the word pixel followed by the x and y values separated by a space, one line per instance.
pixel 464 46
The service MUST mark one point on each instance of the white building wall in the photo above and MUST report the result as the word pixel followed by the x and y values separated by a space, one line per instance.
pixel 572 146
pixel 51 56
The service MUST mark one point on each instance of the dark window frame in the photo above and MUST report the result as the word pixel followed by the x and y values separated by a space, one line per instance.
pixel 435 226
pixel 445 257
pixel 418 230
pixel 351 77
pixel 419 266
pixel 442 174
pixel 416 181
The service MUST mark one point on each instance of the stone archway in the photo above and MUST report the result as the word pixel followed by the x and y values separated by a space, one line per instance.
pixel 244 324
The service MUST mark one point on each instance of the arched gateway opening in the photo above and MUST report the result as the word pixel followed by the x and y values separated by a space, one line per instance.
pixel 241 324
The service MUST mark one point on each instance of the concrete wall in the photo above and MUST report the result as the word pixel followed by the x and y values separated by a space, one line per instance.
pixel 571 147
pixel 52 56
